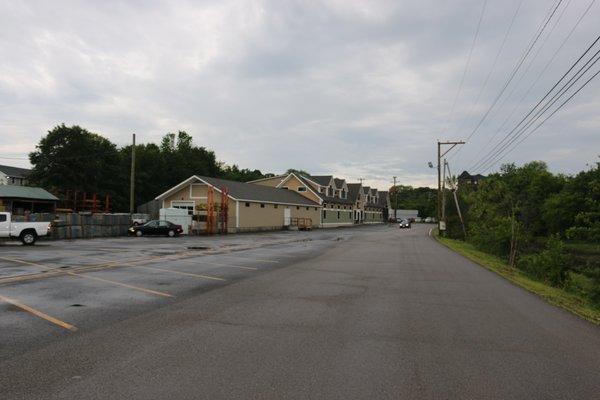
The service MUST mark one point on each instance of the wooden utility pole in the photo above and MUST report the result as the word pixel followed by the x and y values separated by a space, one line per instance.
pixel 439 168
pixel 132 178
pixel 395 198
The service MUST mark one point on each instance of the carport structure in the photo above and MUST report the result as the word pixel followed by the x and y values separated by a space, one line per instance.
pixel 18 199
pixel 250 207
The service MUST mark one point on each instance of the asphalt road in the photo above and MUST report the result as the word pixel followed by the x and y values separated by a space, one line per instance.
pixel 380 314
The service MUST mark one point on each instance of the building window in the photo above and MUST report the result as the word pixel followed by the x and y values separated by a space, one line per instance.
pixel 275 205
pixel 338 215
pixel 247 204
pixel 307 208
pixel 297 207
pixel 284 187
pixel 324 214
pixel 262 205
pixel 302 188
pixel 315 208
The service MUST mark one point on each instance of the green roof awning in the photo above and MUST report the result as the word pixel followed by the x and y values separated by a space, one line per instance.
pixel 25 192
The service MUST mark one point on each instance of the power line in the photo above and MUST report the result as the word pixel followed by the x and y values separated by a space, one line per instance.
pixel 462 80
pixel 494 63
pixel 538 77
pixel 549 104
pixel 547 118
pixel 530 47
pixel 507 140
pixel 479 163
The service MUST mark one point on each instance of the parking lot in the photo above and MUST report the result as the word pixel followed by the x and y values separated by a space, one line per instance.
pixel 59 288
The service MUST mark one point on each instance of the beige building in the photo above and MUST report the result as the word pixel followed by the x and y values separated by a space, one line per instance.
pixel 343 203
pixel 250 207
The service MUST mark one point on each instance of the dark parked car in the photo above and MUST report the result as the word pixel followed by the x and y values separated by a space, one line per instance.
pixel 156 227
pixel 405 223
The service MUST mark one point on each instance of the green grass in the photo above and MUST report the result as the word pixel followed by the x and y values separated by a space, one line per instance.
pixel 572 302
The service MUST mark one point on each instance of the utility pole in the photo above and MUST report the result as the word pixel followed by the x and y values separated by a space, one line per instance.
pixel 132 182
pixel 439 158
pixel 444 192
pixel 395 198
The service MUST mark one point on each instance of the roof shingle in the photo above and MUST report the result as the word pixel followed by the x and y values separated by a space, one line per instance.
pixel 15 172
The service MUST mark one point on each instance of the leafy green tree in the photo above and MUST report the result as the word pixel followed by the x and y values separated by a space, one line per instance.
pixel 234 173
pixel 297 172
pixel 422 199
pixel 72 158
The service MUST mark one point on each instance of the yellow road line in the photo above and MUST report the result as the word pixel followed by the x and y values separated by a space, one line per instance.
pixel 221 264
pixel 39 314
pixel 180 272
pixel 24 262
pixel 141 289
pixel 247 258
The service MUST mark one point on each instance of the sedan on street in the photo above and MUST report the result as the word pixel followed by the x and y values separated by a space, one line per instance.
pixel 405 223
pixel 156 228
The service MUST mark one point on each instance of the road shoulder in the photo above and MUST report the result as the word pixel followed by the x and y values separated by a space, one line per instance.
pixel 552 295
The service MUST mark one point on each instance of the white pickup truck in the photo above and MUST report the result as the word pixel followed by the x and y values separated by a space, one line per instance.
pixel 26 232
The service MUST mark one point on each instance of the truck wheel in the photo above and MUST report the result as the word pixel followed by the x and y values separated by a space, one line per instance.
pixel 28 238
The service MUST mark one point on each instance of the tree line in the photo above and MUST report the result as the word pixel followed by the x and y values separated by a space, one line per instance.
pixel 72 158
pixel 547 225
pixel 422 199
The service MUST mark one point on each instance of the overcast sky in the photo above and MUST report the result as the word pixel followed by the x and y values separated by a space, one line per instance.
pixel 351 88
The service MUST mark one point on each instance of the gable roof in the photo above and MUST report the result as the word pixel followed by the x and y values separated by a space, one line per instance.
pixel 324 198
pixel 322 180
pixel 25 192
pixel 246 191
pixel 282 176
pixel 339 183
pixel 383 198
pixel 354 190
pixel 15 172
pixel 366 189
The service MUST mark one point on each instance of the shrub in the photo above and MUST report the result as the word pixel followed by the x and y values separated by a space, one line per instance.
pixel 550 265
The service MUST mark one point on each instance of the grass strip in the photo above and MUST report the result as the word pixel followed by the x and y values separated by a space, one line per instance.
pixel 571 302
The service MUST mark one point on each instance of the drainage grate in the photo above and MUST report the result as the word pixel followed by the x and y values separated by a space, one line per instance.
pixel 198 248
pixel 76 305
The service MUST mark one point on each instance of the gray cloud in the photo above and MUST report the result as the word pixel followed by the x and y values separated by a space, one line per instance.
pixel 360 89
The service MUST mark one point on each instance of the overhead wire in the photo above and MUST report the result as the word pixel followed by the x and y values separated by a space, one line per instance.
pixel 547 118
pixel 492 69
pixel 517 67
pixel 467 63
pixel 517 131
pixel 534 83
